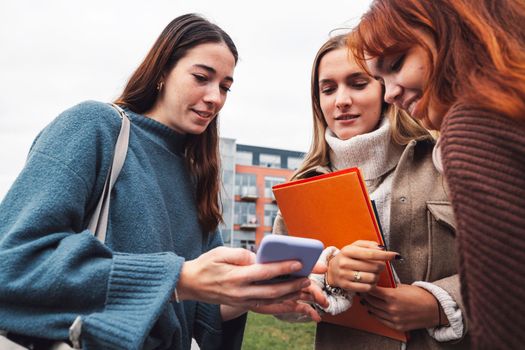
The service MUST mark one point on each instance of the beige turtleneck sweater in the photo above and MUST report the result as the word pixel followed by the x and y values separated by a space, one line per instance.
pixel 376 156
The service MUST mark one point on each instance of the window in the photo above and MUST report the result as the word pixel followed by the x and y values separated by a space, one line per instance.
pixel 270 213
pixel 270 160
pixel 244 158
pixel 269 182
pixel 244 213
pixel 245 184
pixel 294 162
pixel 248 244
pixel 244 239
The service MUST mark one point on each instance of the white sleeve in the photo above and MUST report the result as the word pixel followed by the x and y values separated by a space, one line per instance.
pixel 339 300
pixel 455 330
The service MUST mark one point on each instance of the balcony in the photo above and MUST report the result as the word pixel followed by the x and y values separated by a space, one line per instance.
pixel 249 225
pixel 249 194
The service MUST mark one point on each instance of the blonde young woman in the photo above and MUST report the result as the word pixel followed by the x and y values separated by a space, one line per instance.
pixel 353 128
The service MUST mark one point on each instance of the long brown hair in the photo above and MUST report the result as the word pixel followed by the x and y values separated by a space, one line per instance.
pixel 402 127
pixel 140 94
pixel 480 48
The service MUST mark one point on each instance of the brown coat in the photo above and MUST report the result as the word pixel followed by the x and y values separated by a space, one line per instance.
pixel 422 230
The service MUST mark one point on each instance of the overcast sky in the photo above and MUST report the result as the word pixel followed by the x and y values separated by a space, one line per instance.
pixel 57 53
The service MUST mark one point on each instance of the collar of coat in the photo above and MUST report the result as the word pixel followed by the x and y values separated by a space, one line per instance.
pixel 412 146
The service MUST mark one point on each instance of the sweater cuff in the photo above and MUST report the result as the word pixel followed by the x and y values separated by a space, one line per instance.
pixel 445 333
pixel 339 300
pixel 139 288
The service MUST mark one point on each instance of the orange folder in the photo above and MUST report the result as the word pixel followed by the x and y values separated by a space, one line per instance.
pixel 335 209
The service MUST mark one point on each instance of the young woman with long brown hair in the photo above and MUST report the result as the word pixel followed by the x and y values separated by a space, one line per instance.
pixel 158 279
pixel 459 67
pixel 353 127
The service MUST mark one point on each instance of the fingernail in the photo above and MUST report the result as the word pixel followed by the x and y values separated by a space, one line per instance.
pixel 296 266
pixel 399 257
pixel 381 246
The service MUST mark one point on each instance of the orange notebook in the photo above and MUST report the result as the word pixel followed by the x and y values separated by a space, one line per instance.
pixel 335 209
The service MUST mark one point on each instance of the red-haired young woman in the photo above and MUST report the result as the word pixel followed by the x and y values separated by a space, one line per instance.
pixel 459 67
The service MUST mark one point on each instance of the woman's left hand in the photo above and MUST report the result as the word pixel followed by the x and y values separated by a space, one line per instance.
pixel 404 308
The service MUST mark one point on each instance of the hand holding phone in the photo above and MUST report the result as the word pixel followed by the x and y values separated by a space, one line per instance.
pixel 275 248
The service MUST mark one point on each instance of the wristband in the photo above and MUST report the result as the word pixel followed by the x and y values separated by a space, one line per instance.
pixel 336 291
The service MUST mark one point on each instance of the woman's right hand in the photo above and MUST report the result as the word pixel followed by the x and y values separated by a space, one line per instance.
pixel 227 276
pixel 357 266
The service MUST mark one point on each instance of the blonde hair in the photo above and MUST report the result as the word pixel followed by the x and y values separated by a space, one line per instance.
pixel 402 127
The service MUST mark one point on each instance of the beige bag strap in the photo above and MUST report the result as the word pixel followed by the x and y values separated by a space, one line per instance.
pixel 98 225
pixel 99 221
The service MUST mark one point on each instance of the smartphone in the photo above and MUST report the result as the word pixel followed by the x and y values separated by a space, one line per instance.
pixel 275 248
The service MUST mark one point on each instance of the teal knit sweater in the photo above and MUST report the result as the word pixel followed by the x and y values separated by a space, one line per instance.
pixel 52 269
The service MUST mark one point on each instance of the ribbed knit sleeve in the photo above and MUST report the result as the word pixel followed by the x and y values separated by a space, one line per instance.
pixel 139 289
pixel 484 163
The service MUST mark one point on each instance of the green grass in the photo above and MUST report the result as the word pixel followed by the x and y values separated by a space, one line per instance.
pixel 267 332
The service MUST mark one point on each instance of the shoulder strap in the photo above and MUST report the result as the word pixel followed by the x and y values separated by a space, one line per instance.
pixel 99 221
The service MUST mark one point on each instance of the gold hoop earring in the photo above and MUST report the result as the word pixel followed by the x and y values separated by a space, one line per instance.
pixel 160 85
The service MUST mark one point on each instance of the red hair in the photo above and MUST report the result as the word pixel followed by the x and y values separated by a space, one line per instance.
pixel 480 48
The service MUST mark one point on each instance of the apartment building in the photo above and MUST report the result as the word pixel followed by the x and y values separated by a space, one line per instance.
pixel 248 174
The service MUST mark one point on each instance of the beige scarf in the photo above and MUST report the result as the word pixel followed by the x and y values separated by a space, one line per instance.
pixel 376 156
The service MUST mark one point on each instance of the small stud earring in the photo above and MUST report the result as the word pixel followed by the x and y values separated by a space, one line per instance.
pixel 160 85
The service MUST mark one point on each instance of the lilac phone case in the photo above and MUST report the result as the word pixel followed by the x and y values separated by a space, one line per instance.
pixel 279 247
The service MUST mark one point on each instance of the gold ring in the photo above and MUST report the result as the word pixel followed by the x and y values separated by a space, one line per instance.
pixel 357 276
